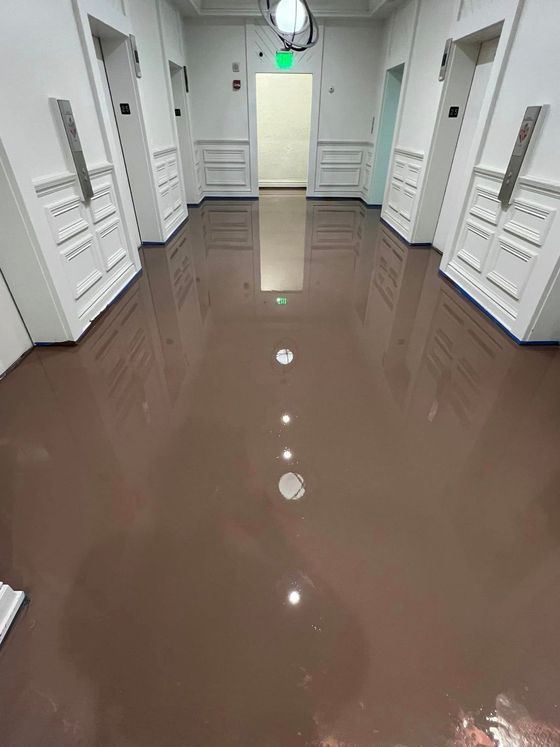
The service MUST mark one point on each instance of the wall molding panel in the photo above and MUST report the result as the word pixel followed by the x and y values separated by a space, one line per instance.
pixel 343 168
pixel 499 255
pixel 95 260
pixel 223 167
pixel 171 201
pixel 403 190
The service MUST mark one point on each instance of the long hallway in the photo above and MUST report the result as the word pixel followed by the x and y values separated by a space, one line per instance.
pixel 253 516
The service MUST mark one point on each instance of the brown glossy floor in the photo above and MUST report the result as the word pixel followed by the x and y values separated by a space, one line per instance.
pixel 141 508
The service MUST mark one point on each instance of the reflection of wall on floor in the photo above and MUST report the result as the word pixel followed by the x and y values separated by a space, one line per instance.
pixel 397 284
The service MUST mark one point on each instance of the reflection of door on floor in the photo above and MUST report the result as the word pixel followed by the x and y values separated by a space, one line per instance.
pixel 389 109
pixel 284 128
pixel 457 182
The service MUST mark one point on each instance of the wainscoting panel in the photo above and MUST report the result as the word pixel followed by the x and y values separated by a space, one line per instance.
pixel 404 180
pixel 343 168
pixel 499 257
pixel 170 194
pixel 223 167
pixel 95 259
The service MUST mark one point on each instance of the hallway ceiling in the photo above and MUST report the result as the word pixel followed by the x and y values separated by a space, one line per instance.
pixel 322 8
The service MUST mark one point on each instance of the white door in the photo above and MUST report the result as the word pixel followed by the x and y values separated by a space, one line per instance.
pixel 14 340
pixel 457 183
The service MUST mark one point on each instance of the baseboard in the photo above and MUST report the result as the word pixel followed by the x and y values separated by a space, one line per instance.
pixel 492 318
pixel 175 231
pixel 98 318
pixel 16 363
pixel 282 185
pixel 412 245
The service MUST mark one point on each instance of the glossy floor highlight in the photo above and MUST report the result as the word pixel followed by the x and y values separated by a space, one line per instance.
pixel 291 490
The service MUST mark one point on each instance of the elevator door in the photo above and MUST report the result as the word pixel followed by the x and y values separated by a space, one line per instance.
pixel 118 154
pixel 457 183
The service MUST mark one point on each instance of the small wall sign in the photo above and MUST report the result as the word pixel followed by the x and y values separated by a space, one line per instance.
pixel 453 112
pixel 125 108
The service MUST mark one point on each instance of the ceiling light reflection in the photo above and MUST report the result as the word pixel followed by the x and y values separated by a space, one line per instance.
pixel 294 597
pixel 286 419
pixel 292 486
pixel 287 455
pixel 284 357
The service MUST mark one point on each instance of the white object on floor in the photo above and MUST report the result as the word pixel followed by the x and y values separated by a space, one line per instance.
pixel 10 602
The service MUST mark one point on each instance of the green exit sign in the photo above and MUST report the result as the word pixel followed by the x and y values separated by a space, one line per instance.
pixel 282 301
pixel 284 59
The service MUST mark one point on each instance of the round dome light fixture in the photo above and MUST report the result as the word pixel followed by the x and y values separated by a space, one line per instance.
pixel 290 16
pixel 292 21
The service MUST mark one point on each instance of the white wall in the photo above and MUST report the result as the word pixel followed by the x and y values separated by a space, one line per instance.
pixel 153 84
pixel 509 260
pixel 423 89
pixel 283 126
pixel 348 59
pixel 77 256
pixel 14 340
pixel 399 31
pixel 218 112
pixel 351 65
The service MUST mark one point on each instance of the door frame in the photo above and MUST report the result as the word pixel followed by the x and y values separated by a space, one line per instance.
pixel 109 24
pixel 456 90
pixel 389 70
pixel 310 61
pixel 289 185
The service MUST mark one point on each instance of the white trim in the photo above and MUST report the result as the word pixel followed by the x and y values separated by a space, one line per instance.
pixel 164 151
pixel 359 143
pixel 257 36
pixel 409 152
pixel 53 182
pixel 10 602
pixel 267 184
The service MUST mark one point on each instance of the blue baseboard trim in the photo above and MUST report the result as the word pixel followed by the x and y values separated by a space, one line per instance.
pixel 181 225
pixel 71 343
pixel 251 198
pixel 225 198
pixel 402 238
pixel 496 322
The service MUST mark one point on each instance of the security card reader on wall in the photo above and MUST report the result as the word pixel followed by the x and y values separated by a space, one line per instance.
pixel 445 59
pixel 135 56
pixel 524 136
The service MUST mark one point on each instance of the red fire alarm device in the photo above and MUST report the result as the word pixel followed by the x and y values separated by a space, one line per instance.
pixel 236 85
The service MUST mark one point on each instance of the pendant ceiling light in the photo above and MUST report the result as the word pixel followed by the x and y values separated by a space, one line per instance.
pixel 292 21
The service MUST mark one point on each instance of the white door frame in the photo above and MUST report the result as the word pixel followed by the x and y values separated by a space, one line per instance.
pixel 104 22
pixel 261 40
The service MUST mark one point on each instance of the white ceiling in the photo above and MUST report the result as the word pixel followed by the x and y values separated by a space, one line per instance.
pixel 321 8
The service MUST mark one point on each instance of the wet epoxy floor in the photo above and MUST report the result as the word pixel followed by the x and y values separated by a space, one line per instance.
pixel 292 489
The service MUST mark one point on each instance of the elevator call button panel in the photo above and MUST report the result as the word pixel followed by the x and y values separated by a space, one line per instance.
pixel 528 124
pixel 71 129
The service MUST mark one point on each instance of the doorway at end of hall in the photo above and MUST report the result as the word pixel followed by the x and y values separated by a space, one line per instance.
pixel 283 129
